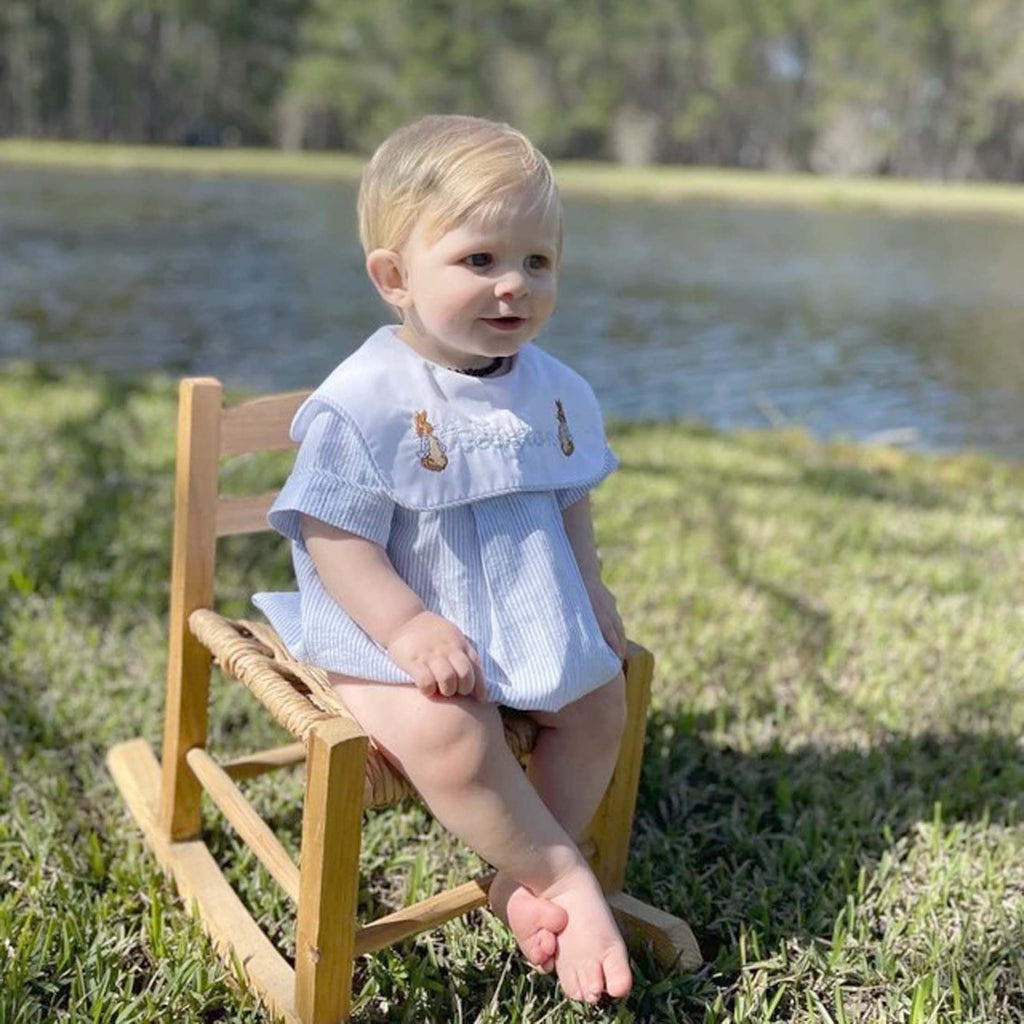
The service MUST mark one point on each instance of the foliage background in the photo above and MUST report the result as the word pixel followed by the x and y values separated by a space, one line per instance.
pixel 928 88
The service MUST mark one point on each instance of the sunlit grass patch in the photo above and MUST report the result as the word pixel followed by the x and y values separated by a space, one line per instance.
pixel 832 781
pixel 576 178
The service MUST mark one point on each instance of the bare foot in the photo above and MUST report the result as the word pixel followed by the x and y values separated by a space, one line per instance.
pixel 535 922
pixel 591 957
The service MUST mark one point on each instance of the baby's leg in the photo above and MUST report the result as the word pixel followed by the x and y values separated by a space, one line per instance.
pixel 570 767
pixel 575 754
pixel 453 751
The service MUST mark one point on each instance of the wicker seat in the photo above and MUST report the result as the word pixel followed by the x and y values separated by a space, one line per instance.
pixel 299 696
pixel 345 773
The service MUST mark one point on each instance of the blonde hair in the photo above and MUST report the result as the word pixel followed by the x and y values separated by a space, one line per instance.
pixel 447 167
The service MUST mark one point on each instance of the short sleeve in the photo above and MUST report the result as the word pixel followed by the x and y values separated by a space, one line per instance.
pixel 334 480
pixel 570 495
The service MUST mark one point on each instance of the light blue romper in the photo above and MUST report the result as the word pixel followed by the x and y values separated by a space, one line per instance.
pixel 500 568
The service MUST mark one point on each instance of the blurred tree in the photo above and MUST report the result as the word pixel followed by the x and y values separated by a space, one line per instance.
pixel 368 65
pixel 145 70
pixel 23 65
pixel 910 87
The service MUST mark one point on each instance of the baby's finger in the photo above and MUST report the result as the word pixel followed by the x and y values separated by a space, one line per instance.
pixel 425 682
pixel 479 687
pixel 464 671
pixel 447 680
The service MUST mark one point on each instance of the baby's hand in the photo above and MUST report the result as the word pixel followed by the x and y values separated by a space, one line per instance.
pixel 438 657
pixel 612 629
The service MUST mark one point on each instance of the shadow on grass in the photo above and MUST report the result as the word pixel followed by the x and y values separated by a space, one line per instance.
pixel 772 841
pixel 776 839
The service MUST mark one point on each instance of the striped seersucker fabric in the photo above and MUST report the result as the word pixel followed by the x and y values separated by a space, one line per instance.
pixel 500 568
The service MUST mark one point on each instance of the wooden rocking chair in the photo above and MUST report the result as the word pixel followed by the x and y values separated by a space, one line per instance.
pixel 344 772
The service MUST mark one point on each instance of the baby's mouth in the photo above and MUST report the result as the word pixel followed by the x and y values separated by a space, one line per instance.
pixel 505 323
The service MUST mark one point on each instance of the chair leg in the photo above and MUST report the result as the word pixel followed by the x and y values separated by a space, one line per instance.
pixel 612 824
pixel 329 863
pixel 670 938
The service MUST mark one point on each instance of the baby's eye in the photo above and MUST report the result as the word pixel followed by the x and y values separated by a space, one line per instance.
pixel 478 260
pixel 537 262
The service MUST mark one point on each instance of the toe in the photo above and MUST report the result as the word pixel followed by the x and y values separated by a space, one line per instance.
pixel 618 978
pixel 551 916
pixel 540 948
pixel 545 944
pixel 534 948
pixel 570 983
pixel 591 980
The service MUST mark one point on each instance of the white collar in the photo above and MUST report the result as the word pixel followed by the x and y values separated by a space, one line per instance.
pixel 439 437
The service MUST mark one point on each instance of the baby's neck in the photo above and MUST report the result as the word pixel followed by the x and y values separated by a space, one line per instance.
pixel 495 368
pixel 440 354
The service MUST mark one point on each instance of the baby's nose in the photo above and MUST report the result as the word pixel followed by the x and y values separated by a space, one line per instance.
pixel 511 285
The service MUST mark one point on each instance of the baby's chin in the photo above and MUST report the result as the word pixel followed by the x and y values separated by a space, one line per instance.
pixel 505 337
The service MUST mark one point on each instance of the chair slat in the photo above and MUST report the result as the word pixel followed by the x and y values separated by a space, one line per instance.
pixel 243 515
pixel 260 425
pixel 422 916
pixel 250 765
pixel 249 825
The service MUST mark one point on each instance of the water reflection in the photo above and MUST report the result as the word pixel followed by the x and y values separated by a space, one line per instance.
pixel 846 321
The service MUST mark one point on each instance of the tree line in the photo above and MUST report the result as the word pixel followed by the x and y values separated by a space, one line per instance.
pixel 930 88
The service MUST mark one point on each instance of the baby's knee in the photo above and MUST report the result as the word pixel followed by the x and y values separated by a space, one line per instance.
pixel 453 741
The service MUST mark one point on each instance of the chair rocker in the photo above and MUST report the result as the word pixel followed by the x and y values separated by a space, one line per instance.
pixel 344 772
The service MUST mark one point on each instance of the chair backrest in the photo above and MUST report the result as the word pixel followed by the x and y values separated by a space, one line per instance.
pixel 207 432
pixel 260 425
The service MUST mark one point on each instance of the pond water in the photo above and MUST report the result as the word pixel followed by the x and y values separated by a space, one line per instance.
pixel 845 322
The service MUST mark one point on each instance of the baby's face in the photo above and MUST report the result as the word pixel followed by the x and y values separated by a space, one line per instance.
pixel 482 289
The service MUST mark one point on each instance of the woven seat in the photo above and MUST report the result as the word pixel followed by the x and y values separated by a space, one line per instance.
pixel 345 773
pixel 299 695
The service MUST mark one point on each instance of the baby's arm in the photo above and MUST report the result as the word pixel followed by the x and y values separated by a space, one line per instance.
pixel 579 528
pixel 358 574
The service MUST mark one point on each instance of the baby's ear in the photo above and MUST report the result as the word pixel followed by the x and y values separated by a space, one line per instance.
pixel 387 272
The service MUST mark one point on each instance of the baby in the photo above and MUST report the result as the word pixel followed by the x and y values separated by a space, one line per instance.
pixel 442 535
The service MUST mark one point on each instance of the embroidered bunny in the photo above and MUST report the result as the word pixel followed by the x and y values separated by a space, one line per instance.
pixel 432 451
pixel 564 435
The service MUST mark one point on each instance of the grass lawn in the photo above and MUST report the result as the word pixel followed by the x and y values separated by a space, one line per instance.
pixel 576 178
pixel 832 784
